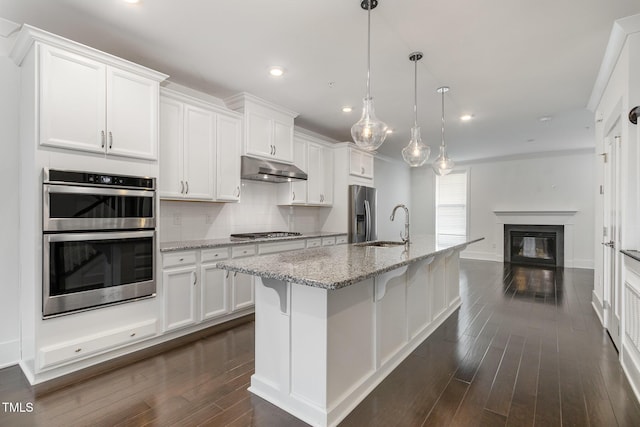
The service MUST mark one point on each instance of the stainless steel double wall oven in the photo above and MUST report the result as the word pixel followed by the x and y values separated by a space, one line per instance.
pixel 99 240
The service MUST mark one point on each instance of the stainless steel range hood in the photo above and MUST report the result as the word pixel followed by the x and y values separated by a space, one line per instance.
pixel 270 171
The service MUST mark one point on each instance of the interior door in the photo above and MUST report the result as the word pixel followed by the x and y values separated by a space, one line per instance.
pixel 611 234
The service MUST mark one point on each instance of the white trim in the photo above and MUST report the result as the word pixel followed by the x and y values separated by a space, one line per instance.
pixel 480 256
pixel 619 33
pixel 528 156
pixel 7 28
pixel 538 217
pixel 596 303
pixel 237 102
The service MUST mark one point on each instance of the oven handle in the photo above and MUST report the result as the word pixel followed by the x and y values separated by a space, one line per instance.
pixel 48 188
pixel 104 235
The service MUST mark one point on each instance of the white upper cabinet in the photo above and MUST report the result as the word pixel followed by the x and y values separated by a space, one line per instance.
pixel 268 128
pixel 199 150
pixel 316 159
pixel 88 105
pixel 360 163
pixel 229 140
pixel 85 100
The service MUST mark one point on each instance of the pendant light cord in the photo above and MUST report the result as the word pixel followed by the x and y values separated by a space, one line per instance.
pixel 415 92
pixel 368 49
pixel 443 118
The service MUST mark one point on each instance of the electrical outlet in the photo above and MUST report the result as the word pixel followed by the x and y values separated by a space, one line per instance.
pixel 177 219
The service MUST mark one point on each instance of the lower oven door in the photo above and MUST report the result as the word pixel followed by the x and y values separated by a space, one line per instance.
pixel 88 270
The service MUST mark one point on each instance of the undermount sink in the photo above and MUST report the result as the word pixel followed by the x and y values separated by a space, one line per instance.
pixel 381 244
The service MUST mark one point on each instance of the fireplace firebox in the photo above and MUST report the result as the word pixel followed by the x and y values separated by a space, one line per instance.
pixel 534 244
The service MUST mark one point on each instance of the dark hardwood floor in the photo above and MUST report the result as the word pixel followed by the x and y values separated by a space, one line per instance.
pixel 524 349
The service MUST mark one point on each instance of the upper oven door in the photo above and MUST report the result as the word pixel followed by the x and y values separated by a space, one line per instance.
pixel 67 207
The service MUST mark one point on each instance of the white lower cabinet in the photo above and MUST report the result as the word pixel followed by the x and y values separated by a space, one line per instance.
pixel 179 296
pixel 242 284
pixel 215 298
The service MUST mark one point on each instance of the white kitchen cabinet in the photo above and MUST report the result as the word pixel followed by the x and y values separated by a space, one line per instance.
pixel 214 284
pixel 228 149
pixel 180 292
pixel 268 128
pixel 320 180
pixel 187 144
pixel 295 192
pixel 242 285
pixel 360 163
pixel 88 105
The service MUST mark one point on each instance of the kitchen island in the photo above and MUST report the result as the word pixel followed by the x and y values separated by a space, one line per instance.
pixel 333 322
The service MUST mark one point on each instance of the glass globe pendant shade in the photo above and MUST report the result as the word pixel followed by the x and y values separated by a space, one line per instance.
pixel 443 164
pixel 369 133
pixel 416 153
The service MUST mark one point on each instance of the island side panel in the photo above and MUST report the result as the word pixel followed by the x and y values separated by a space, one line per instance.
pixel 452 269
pixel 419 290
pixel 391 319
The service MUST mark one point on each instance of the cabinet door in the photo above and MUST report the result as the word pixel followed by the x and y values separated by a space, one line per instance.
pixel 228 140
pixel 179 286
pixel 366 165
pixel 259 137
pixel 214 291
pixel 316 175
pixel 199 145
pixel 242 291
pixel 72 101
pixel 327 176
pixel 132 115
pixel 283 141
pixel 299 188
pixel 170 179
pixel 360 163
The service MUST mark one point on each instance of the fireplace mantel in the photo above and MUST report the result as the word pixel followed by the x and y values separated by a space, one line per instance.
pixel 537 217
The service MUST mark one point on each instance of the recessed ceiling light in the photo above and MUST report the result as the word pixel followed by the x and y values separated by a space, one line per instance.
pixel 545 119
pixel 131 1
pixel 389 131
pixel 466 117
pixel 276 71
pixel 347 109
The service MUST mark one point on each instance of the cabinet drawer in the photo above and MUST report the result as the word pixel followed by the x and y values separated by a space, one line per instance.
pixel 177 259
pixel 314 243
pixel 341 240
pixel 93 344
pixel 328 241
pixel 242 251
pixel 271 248
pixel 209 255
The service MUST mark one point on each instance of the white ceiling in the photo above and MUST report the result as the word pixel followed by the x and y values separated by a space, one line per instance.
pixel 507 62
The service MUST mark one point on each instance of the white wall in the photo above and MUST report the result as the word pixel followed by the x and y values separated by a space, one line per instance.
pixel 393 182
pixel 9 171
pixel 551 182
pixel 257 211
pixel 423 199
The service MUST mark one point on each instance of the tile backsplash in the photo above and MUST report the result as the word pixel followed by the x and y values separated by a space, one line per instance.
pixel 257 211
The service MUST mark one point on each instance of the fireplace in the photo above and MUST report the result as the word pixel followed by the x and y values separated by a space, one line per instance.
pixel 534 244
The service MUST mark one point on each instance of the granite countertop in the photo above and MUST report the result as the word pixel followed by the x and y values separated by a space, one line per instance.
pixel 632 254
pixel 335 267
pixel 213 243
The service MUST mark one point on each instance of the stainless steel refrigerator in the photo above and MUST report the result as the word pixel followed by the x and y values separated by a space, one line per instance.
pixel 362 214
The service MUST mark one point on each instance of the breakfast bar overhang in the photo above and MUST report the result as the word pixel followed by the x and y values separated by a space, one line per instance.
pixel 332 322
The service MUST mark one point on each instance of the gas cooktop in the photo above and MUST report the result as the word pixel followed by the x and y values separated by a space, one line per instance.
pixel 264 235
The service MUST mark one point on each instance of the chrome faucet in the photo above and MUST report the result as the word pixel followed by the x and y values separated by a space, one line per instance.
pixel 405 236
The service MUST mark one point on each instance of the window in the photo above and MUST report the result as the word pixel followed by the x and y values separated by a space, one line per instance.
pixel 451 206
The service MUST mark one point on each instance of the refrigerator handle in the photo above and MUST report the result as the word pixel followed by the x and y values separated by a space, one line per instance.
pixel 367 221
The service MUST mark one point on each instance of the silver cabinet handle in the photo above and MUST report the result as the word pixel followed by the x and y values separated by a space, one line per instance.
pixel 133 334
pixel 362 169
pixel 275 150
pixel 102 138
pixel 294 195
pixel 78 350
pixel 110 140
pixel 235 273
pixel 181 187
pixel 227 276
pixel 195 278
pixel 238 191
pixel 187 187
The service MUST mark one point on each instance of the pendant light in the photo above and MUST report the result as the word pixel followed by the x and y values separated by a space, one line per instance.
pixel 415 153
pixel 369 132
pixel 443 164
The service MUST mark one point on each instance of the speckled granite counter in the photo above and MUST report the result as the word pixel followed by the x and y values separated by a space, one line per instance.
pixel 338 266
pixel 213 243
pixel 632 254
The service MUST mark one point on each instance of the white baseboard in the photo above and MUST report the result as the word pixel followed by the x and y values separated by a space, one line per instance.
pixel 630 367
pixel 597 306
pixel 583 263
pixel 9 353
pixel 480 256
